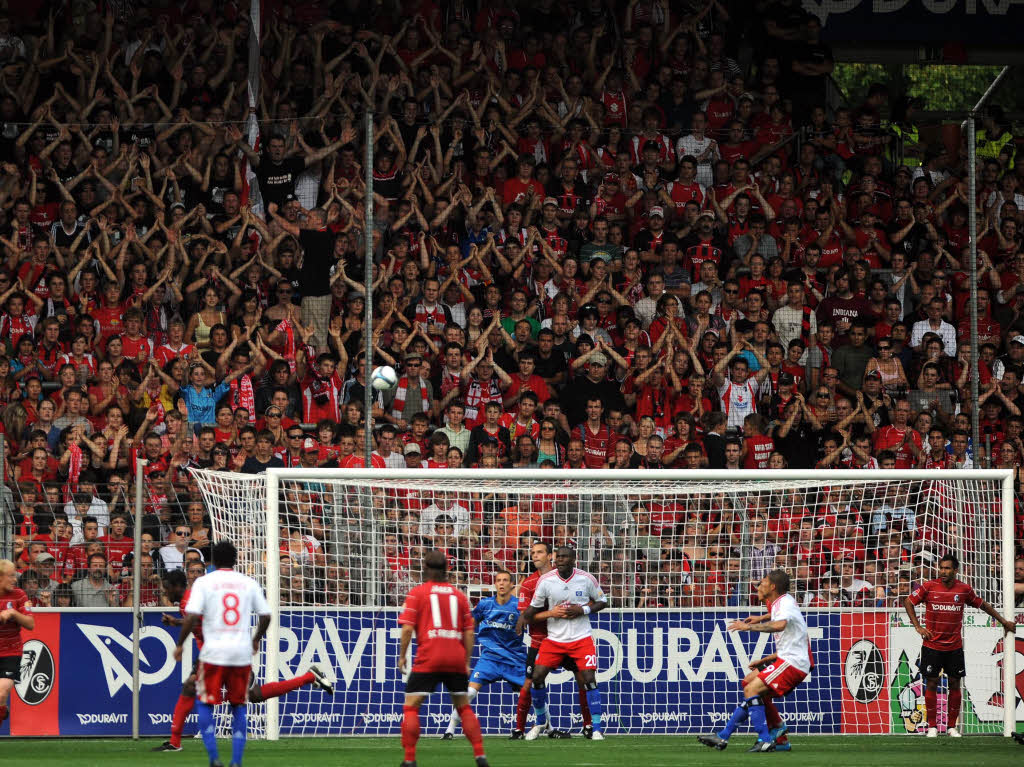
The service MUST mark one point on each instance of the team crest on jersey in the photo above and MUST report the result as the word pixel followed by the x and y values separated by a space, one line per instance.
pixel 956 597
pixel 579 593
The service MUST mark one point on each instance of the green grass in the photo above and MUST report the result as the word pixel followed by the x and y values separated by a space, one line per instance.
pixel 622 751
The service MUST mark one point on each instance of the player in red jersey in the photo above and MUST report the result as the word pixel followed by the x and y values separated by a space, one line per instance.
pixel 540 555
pixel 943 648
pixel 177 586
pixel 440 616
pixel 15 615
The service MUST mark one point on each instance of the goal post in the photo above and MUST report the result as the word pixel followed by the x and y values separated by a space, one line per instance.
pixel 678 553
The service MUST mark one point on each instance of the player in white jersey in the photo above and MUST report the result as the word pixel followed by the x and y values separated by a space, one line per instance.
pixel 575 595
pixel 224 600
pixel 775 675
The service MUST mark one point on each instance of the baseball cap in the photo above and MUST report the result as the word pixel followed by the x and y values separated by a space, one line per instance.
pixel 611 178
pixel 1017 340
pixel 657 210
pixel 874 374
pixel 550 201
pixel 599 359
pixel 413 357
pixel 785 379
pixel 44 557
pixel 310 444
pixel 411 448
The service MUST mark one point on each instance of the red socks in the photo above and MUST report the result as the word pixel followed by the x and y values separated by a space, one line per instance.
pixel 584 707
pixel 4 713
pixel 471 728
pixel 931 706
pixel 411 730
pixel 954 697
pixel 277 689
pixel 523 708
pixel 181 711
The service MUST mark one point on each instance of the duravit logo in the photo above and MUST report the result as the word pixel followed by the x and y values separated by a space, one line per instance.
pixel 156 657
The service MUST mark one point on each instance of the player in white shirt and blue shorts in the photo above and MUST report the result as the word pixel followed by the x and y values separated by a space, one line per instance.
pixel 773 676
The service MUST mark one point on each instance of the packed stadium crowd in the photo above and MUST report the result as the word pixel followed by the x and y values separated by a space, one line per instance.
pixel 605 234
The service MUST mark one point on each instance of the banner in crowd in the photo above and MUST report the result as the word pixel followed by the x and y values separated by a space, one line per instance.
pixel 660 671
pixel 973 22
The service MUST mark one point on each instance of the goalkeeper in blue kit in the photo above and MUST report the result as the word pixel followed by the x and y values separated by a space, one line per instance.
pixel 502 652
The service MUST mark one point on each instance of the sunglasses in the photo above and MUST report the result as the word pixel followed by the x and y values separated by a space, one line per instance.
pixel 731 292
pixel 294 436
pixel 182 532
pixel 823 394
pixel 273 415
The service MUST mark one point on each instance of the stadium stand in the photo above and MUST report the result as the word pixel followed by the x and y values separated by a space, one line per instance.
pixel 600 241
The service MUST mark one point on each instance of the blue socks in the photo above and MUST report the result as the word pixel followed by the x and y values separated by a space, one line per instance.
pixel 758 720
pixel 239 725
pixel 540 703
pixel 206 728
pixel 594 702
pixel 739 716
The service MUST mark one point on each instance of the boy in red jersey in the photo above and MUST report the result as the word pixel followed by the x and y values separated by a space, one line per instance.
pixel 540 555
pixel 440 616
pixel 15 615
pixel 945 598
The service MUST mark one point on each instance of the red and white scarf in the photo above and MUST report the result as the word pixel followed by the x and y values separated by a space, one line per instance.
pixel 74 470
pixel 398 406
pixel 242 396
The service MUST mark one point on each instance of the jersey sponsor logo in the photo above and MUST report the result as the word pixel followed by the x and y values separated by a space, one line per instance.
pixel 37 673
pixel 104 639
pixel 864 671
pixel 948 608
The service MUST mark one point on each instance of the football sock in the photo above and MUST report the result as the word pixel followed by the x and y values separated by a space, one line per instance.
pixel 453 718
pixel 540 704
pixel 739 716
pixel 181 711
pixel 471 729
pixel 594 703
pixel 757 718
pixel 522 708
pixel 953 700
pixel 585 707
pixel 239 726
pixel 410 731
pixel 276 689
pixel 206 729
pixel 4 712
pixel 774 719
pixel 931 706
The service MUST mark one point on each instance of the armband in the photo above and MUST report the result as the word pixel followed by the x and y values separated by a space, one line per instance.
pixel 586 609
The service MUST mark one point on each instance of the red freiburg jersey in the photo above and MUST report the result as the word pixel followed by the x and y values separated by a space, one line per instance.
pixel 944 612
pixel 538 629
pixel 10 632
pixel 440 613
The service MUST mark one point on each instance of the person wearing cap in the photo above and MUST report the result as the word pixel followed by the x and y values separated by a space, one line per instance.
pixel 651 237
pixel 44 565
pixel 610 201
pixel 413 455
pixel 1014 356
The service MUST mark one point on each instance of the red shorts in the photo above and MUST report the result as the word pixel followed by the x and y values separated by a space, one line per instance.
pixel 212 679
pixel 582 651
pixel 781 677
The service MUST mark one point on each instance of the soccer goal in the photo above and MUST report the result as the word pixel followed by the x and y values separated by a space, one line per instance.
pixel 679 553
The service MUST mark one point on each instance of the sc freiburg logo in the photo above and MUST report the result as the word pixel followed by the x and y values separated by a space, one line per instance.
pixel 864 671
pixel 37 673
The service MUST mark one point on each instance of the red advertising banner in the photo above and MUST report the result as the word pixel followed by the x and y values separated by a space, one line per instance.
pixel 36 699
pixel 863 648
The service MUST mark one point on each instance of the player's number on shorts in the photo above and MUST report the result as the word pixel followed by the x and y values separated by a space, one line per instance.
pixel 435 610
pixel 231 614
pixel 590 660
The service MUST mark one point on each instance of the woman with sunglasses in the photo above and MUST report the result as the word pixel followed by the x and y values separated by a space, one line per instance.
pixel 548 446
pixel 888 367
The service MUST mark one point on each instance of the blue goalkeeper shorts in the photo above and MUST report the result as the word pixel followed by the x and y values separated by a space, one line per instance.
pixel 487 671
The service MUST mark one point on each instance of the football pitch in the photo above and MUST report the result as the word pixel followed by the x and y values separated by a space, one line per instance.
pixel 621 751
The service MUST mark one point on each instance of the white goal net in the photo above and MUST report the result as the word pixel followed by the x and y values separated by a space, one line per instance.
pixel 679 554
